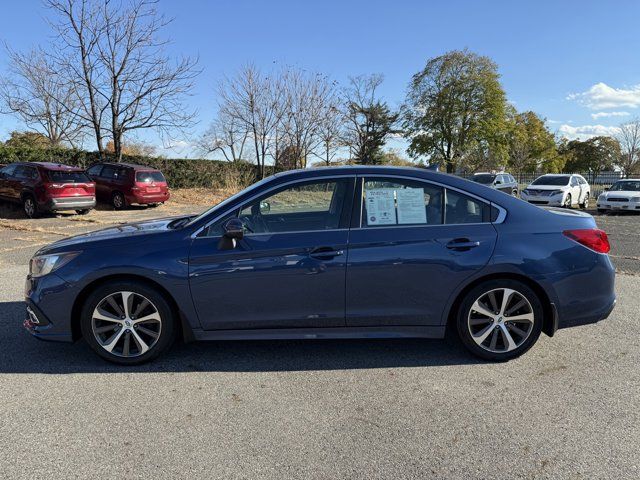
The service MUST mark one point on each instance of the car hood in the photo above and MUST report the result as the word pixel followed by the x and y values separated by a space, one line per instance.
pixel 126 230
pixel 547 187
pixel 621 194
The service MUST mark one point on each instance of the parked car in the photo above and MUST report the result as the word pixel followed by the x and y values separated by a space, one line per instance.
pixel 47 187
pixel 337 252
pixel 500 181
pixel 623 195
pixel 561 190
pixel 124 184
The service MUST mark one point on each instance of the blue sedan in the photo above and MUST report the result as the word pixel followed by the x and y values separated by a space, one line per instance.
pixel 345 252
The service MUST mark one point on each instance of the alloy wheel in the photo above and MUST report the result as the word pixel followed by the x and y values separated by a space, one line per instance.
pixel 29 207
pixel 118 200
pixel 126 324
pixel 567 202
pixel 500 320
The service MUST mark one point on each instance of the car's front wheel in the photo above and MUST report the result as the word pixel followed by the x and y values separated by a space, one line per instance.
pixel 127 323
pixel 500 319
pixel 568 201
pixel 585 202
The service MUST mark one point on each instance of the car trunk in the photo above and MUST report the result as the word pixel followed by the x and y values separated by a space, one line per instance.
pixel 151 182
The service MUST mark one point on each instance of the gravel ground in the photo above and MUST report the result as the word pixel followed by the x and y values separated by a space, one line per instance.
pixel 570 408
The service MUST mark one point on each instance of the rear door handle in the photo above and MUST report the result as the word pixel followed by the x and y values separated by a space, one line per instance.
pixel 325 253
pixel 462 244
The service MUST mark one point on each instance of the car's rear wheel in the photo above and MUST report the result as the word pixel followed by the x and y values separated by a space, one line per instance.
pixel 127 323
pixel 117 200
pixel 84 211
pixel 29 206
pixel 585 202
pixel 500 319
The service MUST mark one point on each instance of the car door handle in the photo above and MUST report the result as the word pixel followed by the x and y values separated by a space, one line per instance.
pixel 462 244
pixel 325 253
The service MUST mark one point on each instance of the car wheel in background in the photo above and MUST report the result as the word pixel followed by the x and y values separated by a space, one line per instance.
pixel 585 202
pixel 84 211
pixel 29 206
pixel 500 319
pixel 117 200
pixel 567 201
pixel 127 323
pixel 154 205
pixel 514 193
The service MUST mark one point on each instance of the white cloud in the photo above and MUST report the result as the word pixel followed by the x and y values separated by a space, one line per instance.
pixel 601 96
pixel 584 132
pixel 598 115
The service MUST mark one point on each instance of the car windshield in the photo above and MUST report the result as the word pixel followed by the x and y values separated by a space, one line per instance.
pixel 484 178
pixel 59 176
pixel 555 180
pixel 227 201
pixel 628 186
pixel 149 177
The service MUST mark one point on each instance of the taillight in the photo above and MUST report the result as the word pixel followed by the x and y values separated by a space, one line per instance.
pixel 592 238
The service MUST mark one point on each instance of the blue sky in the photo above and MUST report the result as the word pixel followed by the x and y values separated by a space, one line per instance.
pixel 576 63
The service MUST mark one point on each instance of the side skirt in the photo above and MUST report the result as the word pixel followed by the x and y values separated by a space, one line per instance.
pixel 321 333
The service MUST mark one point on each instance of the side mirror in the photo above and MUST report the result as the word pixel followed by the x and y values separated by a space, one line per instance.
pixel 265 207
pixel 233 231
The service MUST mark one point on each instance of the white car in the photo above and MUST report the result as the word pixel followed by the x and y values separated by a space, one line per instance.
pixel 559 190
pixel 623 195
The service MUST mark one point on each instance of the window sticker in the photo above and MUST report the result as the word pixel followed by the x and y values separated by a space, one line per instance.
pixel 411 208
pixel 380 207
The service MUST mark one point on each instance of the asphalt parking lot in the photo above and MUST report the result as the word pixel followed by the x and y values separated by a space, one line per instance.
pixel 570 408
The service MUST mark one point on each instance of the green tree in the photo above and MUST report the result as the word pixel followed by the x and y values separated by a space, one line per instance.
pixel 455 107
pixel 27 139
pixel 369 121
pixel 532 146
pixel 593 155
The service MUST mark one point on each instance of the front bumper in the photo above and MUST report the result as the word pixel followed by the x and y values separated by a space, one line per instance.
pixel 50 294
pixel 548 200
pixel 71 203
pixel 618 206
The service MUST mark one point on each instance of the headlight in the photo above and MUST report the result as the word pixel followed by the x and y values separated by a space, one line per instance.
pixel 635 199
pixel 45 264
pixel 556 192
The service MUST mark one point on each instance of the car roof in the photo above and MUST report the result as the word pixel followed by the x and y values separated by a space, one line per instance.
pixel 52 166
pixel 135 166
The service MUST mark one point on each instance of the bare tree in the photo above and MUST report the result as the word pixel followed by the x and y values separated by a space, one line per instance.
pixel 252 101
pixel 306 99
pixel 115 58
pixel 35 92
pixel 227 136
pixel 629 138
pixel 330 132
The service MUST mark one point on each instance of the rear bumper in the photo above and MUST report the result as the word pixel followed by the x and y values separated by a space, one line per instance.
pixel 145 198
pixel 70 203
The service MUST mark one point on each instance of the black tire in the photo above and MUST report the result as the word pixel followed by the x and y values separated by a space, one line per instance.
pixel 602 210
pixel 567 202
pixel 166 332
pixel 463 319
pixel 118 201
pixel 585 203
pixel 84 211
pixel 154 205
pixel 514 193
pixel 30 206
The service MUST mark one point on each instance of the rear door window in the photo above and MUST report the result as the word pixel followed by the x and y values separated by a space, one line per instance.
pixel 95 170
pixel 389 202
pixel 108 171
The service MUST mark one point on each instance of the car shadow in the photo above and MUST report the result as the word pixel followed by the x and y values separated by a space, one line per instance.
pixel 21 353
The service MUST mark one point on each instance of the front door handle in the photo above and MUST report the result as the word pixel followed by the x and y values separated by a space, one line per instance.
pixel 325 253
pixel 462 244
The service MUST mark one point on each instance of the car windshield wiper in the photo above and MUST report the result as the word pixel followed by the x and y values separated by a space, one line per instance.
pixel 180 222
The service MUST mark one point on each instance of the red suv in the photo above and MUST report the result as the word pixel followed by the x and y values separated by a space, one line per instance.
pixel 123 184
pixel 47 187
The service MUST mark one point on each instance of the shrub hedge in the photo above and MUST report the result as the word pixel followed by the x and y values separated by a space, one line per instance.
pixel 180 173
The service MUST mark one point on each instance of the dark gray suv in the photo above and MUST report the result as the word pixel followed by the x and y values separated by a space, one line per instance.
pixel 500 181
